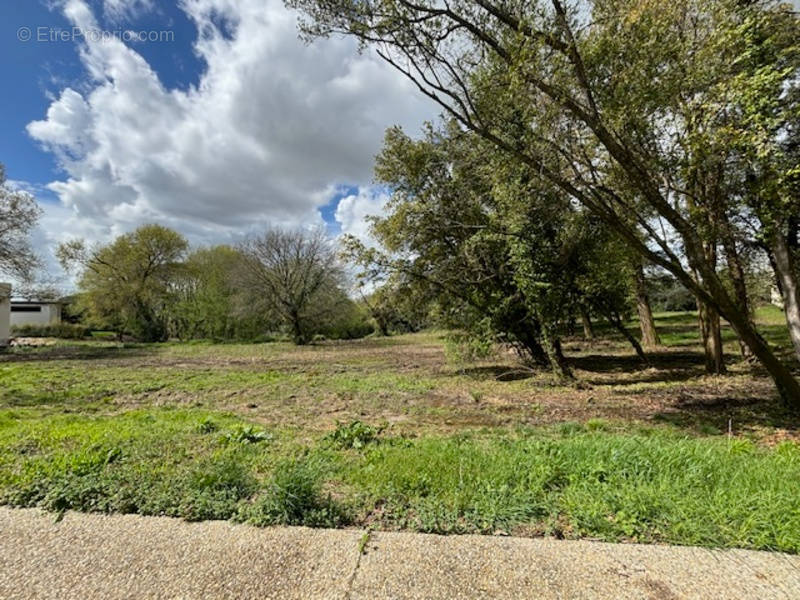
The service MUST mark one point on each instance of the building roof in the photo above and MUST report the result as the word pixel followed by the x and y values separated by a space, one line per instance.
pixel 30 302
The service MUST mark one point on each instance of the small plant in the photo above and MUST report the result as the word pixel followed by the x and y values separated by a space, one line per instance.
pixel 246 434
pixel 597 425
pixel 354 435
pixel 294 497
pixel 476 395
pixel 207 425
pixel 362 543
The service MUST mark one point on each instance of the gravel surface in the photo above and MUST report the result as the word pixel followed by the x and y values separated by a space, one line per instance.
pixel 94 556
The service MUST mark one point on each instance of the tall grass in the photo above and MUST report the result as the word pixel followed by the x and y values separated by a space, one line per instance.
pixel 647 488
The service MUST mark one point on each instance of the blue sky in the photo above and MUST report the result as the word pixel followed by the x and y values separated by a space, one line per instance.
pixel 225 124
pixel 38 70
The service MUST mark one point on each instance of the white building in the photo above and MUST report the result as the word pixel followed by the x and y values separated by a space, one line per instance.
pixel 5 313
pixel 35 313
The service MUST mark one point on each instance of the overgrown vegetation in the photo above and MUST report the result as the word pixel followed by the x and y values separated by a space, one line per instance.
pixel 647 485
pixel 388 433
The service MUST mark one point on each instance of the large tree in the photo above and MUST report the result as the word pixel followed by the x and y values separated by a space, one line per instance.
pixel 608 93
pixel 500 252
pixel 19 213
pixel 296 273
pixel 128 285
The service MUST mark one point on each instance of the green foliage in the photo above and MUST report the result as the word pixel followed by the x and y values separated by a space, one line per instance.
pixel 207 303
pixel 397 306
pixel 246 434
pixel 674 125
pixel 651 485
pixel 296 276
pixel 462 348
pixel 354 435
pixel 294 496
pixel 498 253
pixel 668 295
pixel 348 322
pixel 207 425
pixel 126 285
pixel 648 488
pixel 67 331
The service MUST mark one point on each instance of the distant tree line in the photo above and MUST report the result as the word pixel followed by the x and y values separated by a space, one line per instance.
pixel 149 284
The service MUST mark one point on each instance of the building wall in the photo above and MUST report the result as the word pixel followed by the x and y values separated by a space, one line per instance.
pixel 49 314
pixel 5 315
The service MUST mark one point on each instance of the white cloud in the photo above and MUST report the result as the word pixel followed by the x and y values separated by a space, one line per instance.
pixel 353 210
pixel 271 128
pixel 117 10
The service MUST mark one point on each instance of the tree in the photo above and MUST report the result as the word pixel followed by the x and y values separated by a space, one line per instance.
pixel 298 277
pixel 501 253
pixel 127 285
pixel 603 90
pixel 398 304
pixel 206 302
pixel 647 324
pixel 19 214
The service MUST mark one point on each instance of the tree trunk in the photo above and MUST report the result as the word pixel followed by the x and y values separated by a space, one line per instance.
pixel 555 355
pixel 586 320
pixel 790 289
pixel 647 324
pixel 708 317
pixel 711 333
pixel 734 260
pixel 616 321
pixel 297 330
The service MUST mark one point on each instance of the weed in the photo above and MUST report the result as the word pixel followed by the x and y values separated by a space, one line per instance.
pixel 354 435
pixel 207 425
pixel 246 434
pixel 294 497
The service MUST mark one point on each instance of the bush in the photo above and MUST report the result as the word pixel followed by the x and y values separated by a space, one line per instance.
pixel 467 347
pixel 67 331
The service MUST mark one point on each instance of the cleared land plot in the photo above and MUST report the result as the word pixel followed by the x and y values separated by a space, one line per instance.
pixel 249 432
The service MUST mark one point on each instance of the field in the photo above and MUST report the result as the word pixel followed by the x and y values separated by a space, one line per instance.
pixel 387 433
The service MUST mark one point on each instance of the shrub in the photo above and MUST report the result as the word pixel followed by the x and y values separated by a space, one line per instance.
pixel 68 331
pixel 467 347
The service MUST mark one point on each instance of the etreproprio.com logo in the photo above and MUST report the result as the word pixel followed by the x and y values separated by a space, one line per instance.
pixel 80 34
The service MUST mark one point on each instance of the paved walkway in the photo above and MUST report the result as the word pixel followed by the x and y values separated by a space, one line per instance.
pixel 92 556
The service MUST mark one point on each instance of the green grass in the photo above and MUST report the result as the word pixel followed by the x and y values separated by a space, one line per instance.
pixel 386 434
pixel 30 384
pixel 592 480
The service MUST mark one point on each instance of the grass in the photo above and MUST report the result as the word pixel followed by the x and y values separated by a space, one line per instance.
pixel 384 433
pixel 572 480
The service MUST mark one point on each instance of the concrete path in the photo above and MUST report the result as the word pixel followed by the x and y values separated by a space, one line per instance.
pixel 92 556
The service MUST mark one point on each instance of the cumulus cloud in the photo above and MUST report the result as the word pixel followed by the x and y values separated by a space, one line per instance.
pixel 353 211
pixel 272 127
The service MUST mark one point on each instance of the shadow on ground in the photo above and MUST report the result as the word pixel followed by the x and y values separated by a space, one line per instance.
pixel 51 353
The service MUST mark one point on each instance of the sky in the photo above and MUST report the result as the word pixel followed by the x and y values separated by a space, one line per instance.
pixel 208 116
